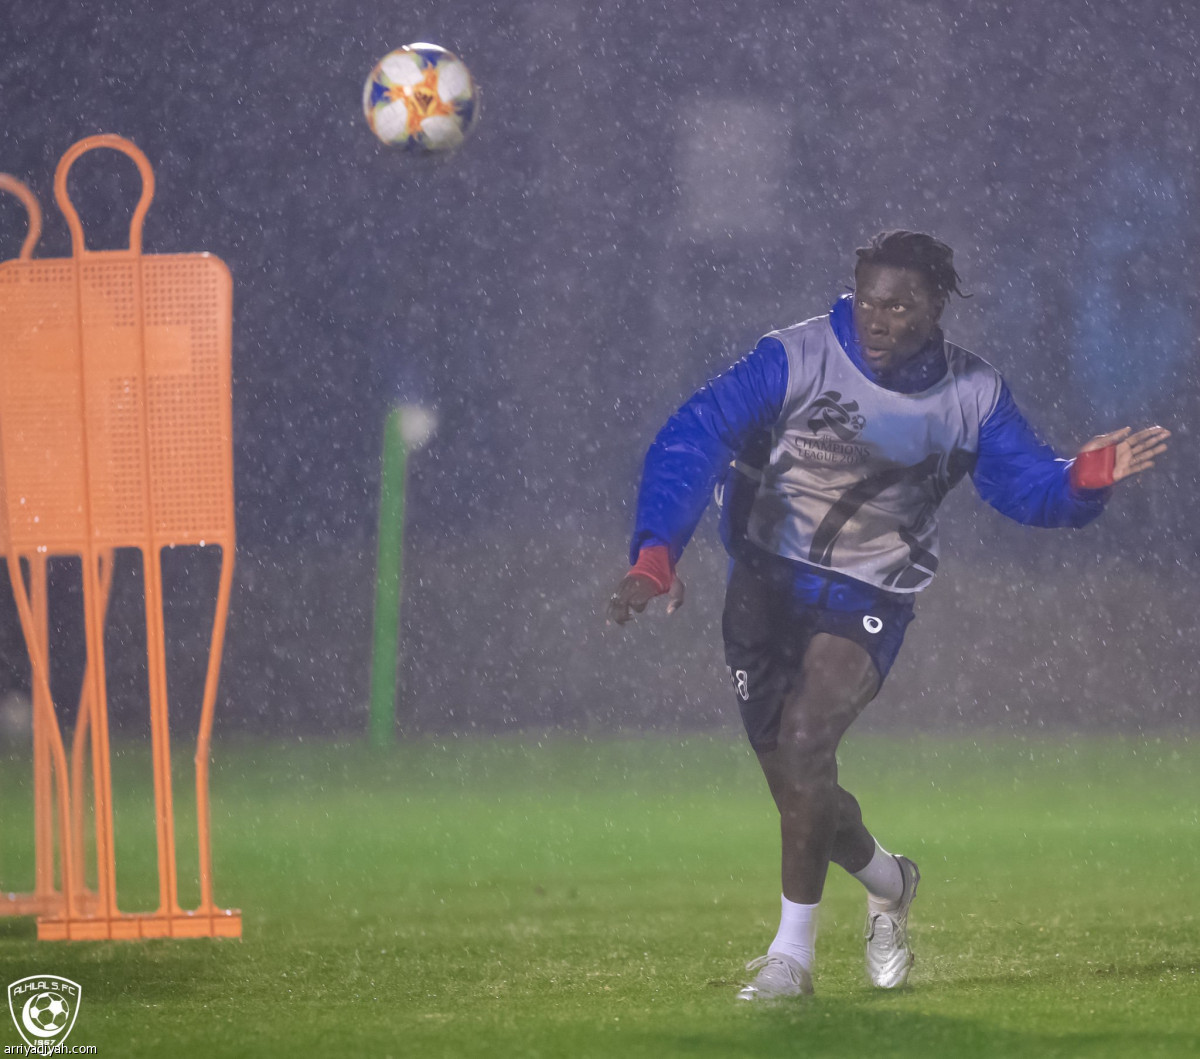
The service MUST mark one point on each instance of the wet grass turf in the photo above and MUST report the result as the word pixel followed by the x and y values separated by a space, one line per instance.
pixel 596 898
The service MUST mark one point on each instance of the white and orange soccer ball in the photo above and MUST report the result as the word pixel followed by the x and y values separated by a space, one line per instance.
pixel 422 98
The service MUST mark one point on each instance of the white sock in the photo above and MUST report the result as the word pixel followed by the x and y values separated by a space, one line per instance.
pixel 797 935
pixel 883 879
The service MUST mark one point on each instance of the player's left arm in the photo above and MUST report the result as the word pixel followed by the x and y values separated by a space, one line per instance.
pixel 1024 479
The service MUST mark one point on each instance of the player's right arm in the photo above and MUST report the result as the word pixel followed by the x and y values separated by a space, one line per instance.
pixel 687 458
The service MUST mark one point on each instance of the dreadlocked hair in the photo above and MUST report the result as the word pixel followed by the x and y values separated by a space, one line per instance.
pixel 918 251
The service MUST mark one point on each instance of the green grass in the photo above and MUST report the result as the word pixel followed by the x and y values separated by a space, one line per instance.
pixel 598 898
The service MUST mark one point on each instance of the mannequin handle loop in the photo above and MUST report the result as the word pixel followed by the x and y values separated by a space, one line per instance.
pixel 117 143
pixel 14 187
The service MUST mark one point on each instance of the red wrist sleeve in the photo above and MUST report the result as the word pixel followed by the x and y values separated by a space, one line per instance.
pixel 1094 469
pixel 654 564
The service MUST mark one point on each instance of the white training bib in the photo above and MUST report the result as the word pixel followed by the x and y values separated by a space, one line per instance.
pixel 857 471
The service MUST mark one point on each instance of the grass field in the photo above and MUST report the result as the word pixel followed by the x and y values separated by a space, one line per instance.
pixel 599 898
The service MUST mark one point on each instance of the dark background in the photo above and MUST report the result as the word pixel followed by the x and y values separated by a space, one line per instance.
pixel 650 188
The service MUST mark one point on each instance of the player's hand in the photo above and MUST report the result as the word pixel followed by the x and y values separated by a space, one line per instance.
pixel 633 595
pixel 1134 452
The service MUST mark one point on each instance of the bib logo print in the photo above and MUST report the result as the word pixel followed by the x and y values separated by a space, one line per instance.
pixel 43 1008
pixel 840 418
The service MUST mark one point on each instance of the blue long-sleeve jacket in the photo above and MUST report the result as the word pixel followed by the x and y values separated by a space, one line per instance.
pixel 731 414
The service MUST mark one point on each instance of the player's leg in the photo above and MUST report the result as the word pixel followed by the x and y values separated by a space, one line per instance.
pixel 776 669
pixel 758 629
pixel 891 884
pixel 853 845
pixel 837 679
pixel 818 817
pixel 857 851
pixel 877 625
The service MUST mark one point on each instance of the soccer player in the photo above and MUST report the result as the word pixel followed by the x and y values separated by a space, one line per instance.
pixel 836 439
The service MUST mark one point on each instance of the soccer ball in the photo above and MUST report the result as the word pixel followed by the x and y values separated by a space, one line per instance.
pixel 422 98
pixel 49 1011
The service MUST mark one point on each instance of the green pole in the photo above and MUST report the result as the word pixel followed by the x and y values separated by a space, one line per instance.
pixel 388 585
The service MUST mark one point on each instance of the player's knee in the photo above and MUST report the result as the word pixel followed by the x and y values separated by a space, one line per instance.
pixel 811 745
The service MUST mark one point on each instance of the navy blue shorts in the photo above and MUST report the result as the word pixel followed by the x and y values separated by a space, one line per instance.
pixel 774 607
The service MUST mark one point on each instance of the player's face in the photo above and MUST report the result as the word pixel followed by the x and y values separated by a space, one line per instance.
pixel 895 314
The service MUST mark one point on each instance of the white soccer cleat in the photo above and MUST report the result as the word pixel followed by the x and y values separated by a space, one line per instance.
pixel 888 956
pixel 778 976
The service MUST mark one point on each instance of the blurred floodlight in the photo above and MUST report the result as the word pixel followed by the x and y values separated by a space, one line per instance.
pixel 417 425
